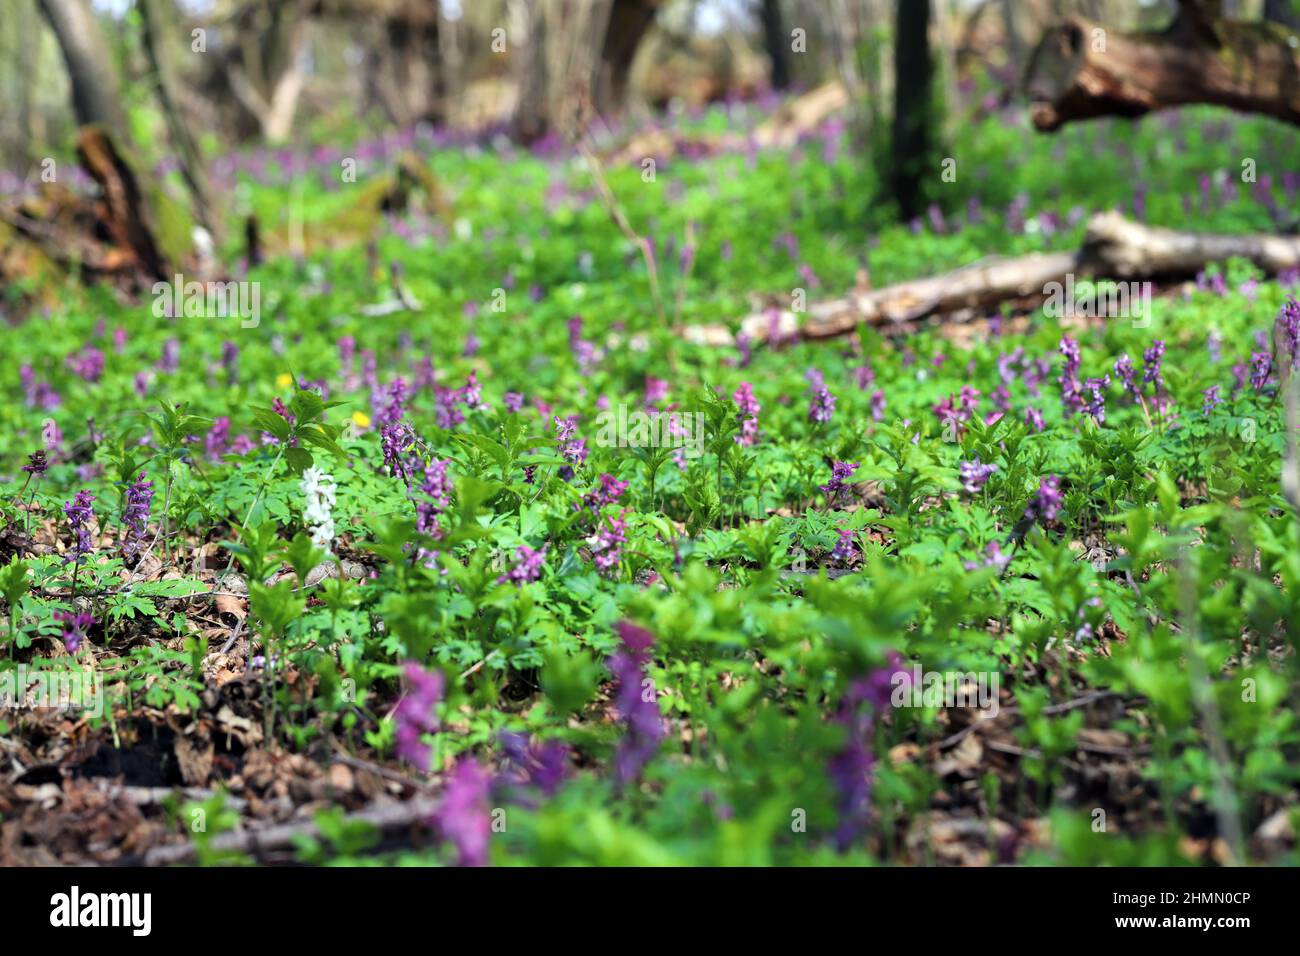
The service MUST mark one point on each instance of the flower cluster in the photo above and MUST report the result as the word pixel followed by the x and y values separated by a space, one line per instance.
pixel 840 472
pixel 529 764
pixel 136 516
pixel 607 544
pixel 1047 501
pixel 636 703
pixel 463 815
pixel 318 509
pixel 80 512
pixel 572 449
pixel 1071 391
pixel 748 413
pixel 821 407
pixel 528 565
pixel 75 626
pixel 975 474
pixel 851 769
pixel 416 714
pixel 844 552
pixel 608 492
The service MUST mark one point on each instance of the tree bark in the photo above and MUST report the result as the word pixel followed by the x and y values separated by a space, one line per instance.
pixel 125 212
pixel 1081 70
pixel 913 104
pixel 96 98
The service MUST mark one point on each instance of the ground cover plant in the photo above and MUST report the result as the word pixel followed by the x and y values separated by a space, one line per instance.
pixel 461 531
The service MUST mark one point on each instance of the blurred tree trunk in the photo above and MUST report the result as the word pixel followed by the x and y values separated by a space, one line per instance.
pixel 628 23
pixel 776 41
pixel 913 104
pixel 25 77
pixel 96 97
pixel 574 55
pixel 154 23
pixel 267 74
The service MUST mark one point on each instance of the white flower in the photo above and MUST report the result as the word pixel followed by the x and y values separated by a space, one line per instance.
pixel 318 489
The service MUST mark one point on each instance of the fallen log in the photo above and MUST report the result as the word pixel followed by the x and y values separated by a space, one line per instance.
pixel 1081 70
pixel 1113 248
pixel 265 841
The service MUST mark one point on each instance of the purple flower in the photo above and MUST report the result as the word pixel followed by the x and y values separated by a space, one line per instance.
pixel 1214 346
pixel 745 345
pixel 37 464
pixel 844 552
pixel 572 449
pixel 1212 399
pixel 1095 407
pixel 530 764
pixel 1034 418
pixel 74 628
pixel 1288 331
pixel 1151 361
pixel 995 557
pixel 656 390
pixel 636 703
pixel 1071 392
pixel 171 356
pixel 436 496
pixel 447 412
pixel 230 361
pixel 607 544
pixel 396 439
pixel 975 474
pixel 217 440
pixel 850 770
pixel 80 513
pixel 748 414
pixel 390 406
pixel 513 401
pixel 607 492
pixel 416 714
pixel 40 394
pixel 840 471
pixel 139 497
pixel 463 817
pixel 528 566
pixel 878 405
pixel 1124 369
pixel 1047 501
pixel 87 364
pixel 1261 369
pixel 822 406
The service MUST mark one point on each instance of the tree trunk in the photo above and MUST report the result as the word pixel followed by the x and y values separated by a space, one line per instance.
pixel 629 21
pixel 193 170
pixel 913 104
pixel 1080 70
pixel 776 42
pixel 96 98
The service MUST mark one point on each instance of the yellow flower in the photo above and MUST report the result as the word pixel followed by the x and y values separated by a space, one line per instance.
pixel 285 380
pixel 361 418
